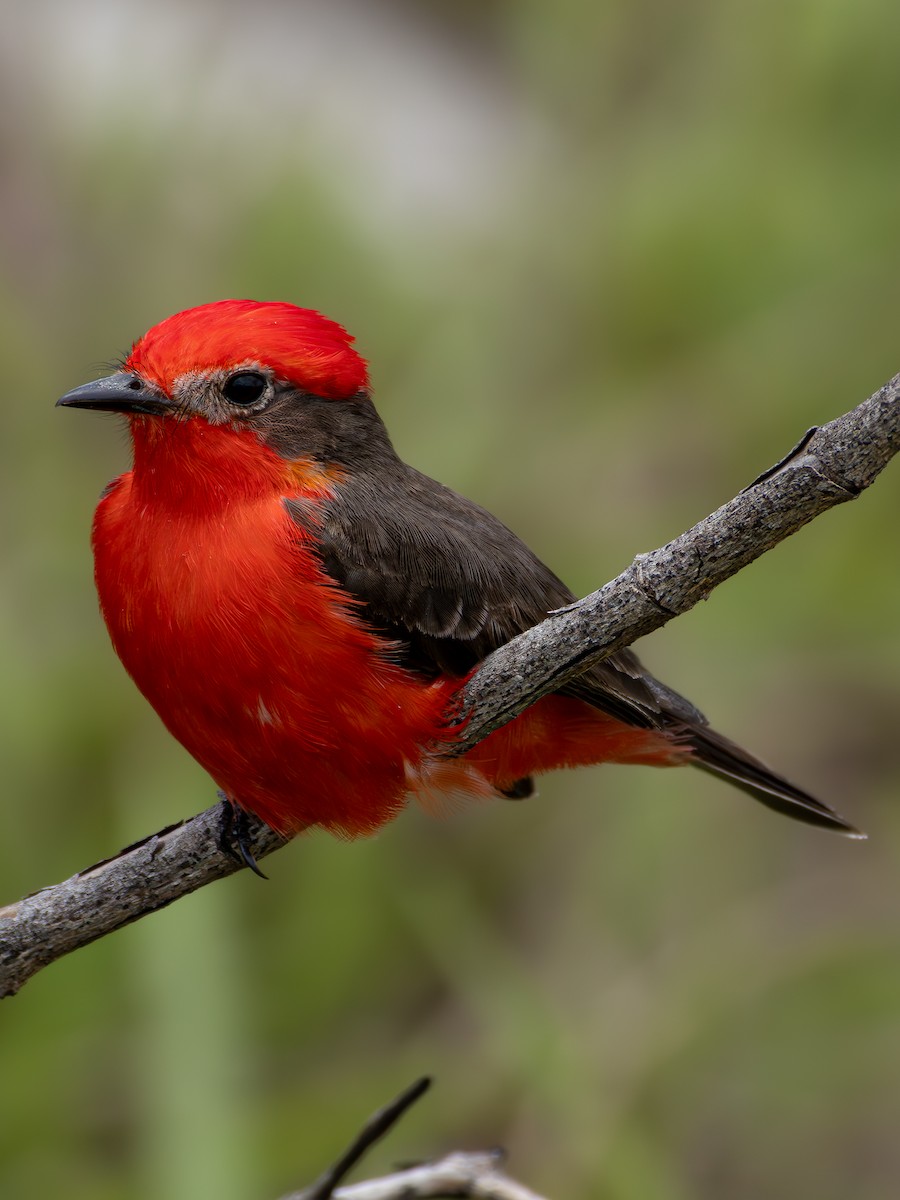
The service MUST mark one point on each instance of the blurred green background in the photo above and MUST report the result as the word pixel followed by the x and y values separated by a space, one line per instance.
pixel 608 262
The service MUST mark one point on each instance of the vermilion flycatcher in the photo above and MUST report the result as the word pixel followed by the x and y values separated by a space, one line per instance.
pixel 301 607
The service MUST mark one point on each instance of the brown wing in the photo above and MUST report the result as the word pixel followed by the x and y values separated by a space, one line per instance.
pixel 447 582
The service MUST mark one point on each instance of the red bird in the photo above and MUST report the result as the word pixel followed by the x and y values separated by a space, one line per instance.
pixel 301 607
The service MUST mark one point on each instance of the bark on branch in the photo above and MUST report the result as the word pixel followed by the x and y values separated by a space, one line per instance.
pixel 829 465
pixel 464 1175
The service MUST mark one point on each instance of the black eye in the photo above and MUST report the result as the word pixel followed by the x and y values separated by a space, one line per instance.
pixel 244 388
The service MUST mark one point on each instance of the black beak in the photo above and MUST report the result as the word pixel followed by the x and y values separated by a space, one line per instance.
pixel 121 392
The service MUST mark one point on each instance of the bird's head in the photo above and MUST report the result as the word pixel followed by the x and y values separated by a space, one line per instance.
pixel 263 372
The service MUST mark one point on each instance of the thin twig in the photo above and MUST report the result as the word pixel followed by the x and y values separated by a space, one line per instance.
pixel 373 1130
pixel 475 1175
pixel 832 464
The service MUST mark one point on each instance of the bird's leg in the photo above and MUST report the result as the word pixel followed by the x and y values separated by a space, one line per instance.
pixel 520 790
pixel 234 838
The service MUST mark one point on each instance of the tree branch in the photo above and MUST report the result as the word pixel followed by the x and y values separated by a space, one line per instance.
pixel 830 465
pixel 462 1175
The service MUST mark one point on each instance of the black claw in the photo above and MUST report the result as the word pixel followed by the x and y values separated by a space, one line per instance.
pixel 235 835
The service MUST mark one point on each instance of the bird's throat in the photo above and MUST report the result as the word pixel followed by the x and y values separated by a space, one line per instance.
pixel 194 466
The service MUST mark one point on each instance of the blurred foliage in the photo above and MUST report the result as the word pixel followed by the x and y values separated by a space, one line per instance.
pixel 661 243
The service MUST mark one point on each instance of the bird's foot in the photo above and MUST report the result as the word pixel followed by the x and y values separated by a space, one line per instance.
pixel 234 839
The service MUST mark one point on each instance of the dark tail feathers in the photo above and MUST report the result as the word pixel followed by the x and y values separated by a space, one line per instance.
pixel 721 757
